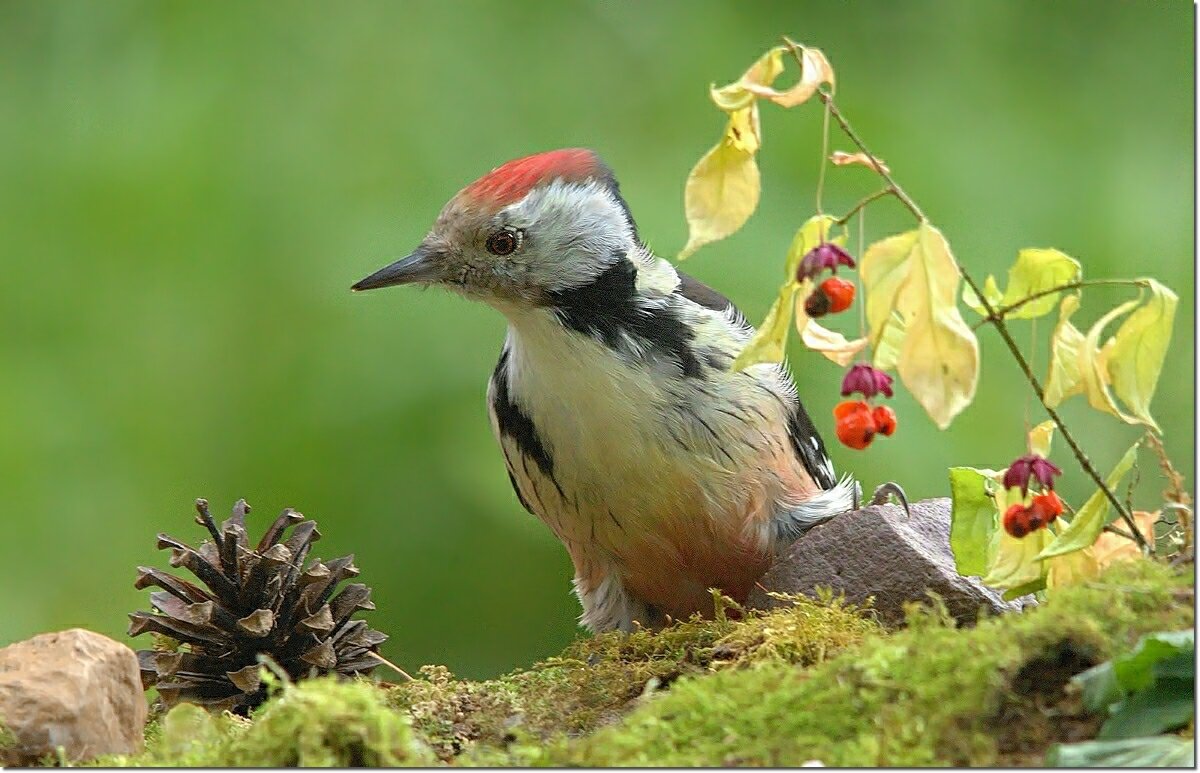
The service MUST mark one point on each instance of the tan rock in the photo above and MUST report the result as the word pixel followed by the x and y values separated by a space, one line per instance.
pixel 75 689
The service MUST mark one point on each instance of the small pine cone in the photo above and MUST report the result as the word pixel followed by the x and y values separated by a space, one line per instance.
pixel 255 601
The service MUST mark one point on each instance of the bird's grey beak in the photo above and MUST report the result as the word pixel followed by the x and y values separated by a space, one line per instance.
pixel 420 266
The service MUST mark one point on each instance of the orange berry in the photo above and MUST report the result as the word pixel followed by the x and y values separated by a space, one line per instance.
pixel 1046 506
pixel 840 293
pixel 1016 521
pixel 847 407
pixel 855 424
pixel 885 420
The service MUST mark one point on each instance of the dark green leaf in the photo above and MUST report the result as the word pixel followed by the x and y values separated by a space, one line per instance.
pixel 1167 705
pixel 1162 751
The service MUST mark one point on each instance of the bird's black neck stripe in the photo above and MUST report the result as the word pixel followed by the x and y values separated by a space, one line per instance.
pixel 608 309
pixel 515 423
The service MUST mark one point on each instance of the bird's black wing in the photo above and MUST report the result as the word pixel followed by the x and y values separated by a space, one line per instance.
pixel 701 294
pixel 806 441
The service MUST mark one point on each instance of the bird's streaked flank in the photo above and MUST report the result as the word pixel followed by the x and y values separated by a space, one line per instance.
pixel 663 472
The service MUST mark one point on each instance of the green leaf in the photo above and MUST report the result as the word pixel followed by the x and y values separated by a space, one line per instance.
pixel 1089 520
pixel 1162 751
pixel 1155 655
pixel 974 519
pixel 1135 355
pixel 991 291
pixel 1137 670
pixel 1169 705
pixel 1033 586
pixel 769 342
pixel 1016 562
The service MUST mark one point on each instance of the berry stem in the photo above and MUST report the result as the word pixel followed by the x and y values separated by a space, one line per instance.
pixel 993 314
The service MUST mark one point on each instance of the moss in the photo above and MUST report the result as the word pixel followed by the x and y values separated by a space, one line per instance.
pixel 819 680
pixel 596 681
pixel 318 722
pixel 927 695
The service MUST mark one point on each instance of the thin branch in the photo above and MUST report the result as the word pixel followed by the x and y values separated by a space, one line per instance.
pixel 863 203
pixel 997 321
pixel 1004 311
pixel 1119 531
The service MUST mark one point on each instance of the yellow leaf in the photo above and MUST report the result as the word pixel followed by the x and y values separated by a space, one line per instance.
pixel 1071 569
pixel 769 342
pixel 887 348
pixel 829 343
pixel 991 291
pixel 1036 271
pixel 939 360
pixel 815 71
pixel 1040 437
pixel 1016 562
pixel 722 190
pixel 1091 365
pixel 743 131
pixel 817 229
pixel 842 158
pixel 1065 378
pixel 1134 357
pixel 1110 548
pixel 763 72
pixel 1084 565
pixel 884 268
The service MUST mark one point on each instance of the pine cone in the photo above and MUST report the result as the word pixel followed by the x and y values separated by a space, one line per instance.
pixel 255 602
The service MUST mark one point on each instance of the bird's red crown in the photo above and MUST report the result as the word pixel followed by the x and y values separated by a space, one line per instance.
pixel 510 182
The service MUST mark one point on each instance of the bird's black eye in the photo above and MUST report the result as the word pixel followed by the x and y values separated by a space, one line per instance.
pixel 504 242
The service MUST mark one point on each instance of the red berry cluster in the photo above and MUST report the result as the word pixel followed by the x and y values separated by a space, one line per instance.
pixel 1021 519
pixel 833 295
pixel 857 421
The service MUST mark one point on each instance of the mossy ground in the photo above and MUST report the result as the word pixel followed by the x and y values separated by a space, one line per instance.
pixel 817 681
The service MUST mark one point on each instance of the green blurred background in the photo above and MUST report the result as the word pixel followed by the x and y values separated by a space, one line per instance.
pixel 189 189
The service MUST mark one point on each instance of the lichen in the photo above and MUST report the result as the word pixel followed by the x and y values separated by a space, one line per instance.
pixel 818 680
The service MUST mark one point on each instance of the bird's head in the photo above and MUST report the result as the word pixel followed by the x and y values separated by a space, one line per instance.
pixel 531 228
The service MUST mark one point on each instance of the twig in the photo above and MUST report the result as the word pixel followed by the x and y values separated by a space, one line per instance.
pixel 391 665
pixel 862 204
pixel 997 321
pixel 1004 311
pixel 1118 531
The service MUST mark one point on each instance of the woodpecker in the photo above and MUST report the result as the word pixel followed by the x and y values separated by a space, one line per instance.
pixel 662 471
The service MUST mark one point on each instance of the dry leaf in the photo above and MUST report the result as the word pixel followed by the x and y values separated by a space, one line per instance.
pixel 815 71
pixel 841 158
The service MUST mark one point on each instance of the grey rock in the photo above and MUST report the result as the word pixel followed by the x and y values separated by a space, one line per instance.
pixel 73 689
pixel 879 552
